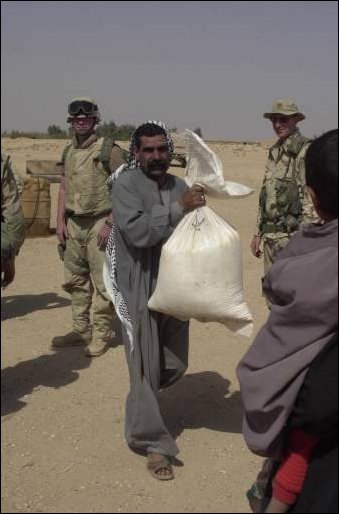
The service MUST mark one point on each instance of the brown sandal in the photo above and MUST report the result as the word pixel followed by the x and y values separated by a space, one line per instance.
pixel 154 467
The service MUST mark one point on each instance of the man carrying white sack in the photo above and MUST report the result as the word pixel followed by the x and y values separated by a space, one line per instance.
pixel 148 203
pixel 200 271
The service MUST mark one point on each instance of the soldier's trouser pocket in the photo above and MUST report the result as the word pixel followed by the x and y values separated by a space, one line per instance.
pixel 78 283
pixel 272 247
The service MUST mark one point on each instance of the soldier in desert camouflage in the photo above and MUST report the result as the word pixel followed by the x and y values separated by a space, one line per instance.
pixel 284 203
pixel 84 221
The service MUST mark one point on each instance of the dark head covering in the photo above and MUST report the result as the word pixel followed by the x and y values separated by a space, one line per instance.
pixel 302 285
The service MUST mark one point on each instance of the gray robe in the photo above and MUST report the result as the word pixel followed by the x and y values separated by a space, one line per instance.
pixel 302 286
pixel 145 217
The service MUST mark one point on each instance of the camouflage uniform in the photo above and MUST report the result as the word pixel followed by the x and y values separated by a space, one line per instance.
pixel 20 183
pixel 87 205
pixel 12 220
pixel 284 203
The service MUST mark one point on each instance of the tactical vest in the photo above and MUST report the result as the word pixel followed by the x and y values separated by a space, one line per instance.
pixel 86 191
pixel 288 192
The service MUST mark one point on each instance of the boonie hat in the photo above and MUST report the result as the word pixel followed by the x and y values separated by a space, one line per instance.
pixel 285 107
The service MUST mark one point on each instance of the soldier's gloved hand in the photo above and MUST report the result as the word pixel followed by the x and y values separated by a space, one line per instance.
pixel 62 232
pixel 255 246
pixel 7 272
pixel 103 237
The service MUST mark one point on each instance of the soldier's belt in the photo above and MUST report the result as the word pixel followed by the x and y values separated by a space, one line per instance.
pixel 74 216
pixel 273 228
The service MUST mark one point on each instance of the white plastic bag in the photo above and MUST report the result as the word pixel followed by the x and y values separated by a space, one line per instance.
pixel 200 273
pixel 204 167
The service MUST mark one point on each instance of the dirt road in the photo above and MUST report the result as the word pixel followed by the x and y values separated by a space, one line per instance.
pixel 63 413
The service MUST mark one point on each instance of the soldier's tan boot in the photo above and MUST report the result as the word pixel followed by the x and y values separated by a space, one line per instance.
pixel 73 338
pixel 97 347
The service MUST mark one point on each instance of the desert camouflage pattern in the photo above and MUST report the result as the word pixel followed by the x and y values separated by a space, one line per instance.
pixel 86 190
pixel 272 246
pixel 83 263
pixel 87 204
pixel 12 219
pixel 285 107
pixel 284 203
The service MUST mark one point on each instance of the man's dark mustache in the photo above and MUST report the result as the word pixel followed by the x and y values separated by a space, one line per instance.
pixel 157 165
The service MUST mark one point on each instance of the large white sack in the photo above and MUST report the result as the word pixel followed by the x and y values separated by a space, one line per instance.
pixel 200 273
pixel 204 167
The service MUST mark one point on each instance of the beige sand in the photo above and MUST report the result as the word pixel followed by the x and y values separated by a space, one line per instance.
pixel 62 413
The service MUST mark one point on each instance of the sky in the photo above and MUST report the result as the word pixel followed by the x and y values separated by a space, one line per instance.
pixel 214 65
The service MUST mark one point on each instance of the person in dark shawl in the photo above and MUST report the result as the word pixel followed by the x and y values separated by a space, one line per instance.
pixel 303 288
pixel 148 203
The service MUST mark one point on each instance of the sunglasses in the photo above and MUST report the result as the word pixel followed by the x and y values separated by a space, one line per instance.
pixel 280 119
pixel 152 149
pixel 82 107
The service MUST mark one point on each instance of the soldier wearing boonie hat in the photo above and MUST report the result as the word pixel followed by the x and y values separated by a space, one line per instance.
pixel 285 108
pixel 284 203
pixel 84 222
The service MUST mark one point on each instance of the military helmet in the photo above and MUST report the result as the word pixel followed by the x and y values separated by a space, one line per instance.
pixel 285 107
pixel 82 107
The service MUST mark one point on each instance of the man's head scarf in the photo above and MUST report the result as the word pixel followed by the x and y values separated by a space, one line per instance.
pixel 110 271
pixel 131 160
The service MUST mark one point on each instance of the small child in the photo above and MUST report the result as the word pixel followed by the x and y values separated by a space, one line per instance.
pixel 302 286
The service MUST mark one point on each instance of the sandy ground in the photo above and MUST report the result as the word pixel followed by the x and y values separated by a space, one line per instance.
pixel 63 448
